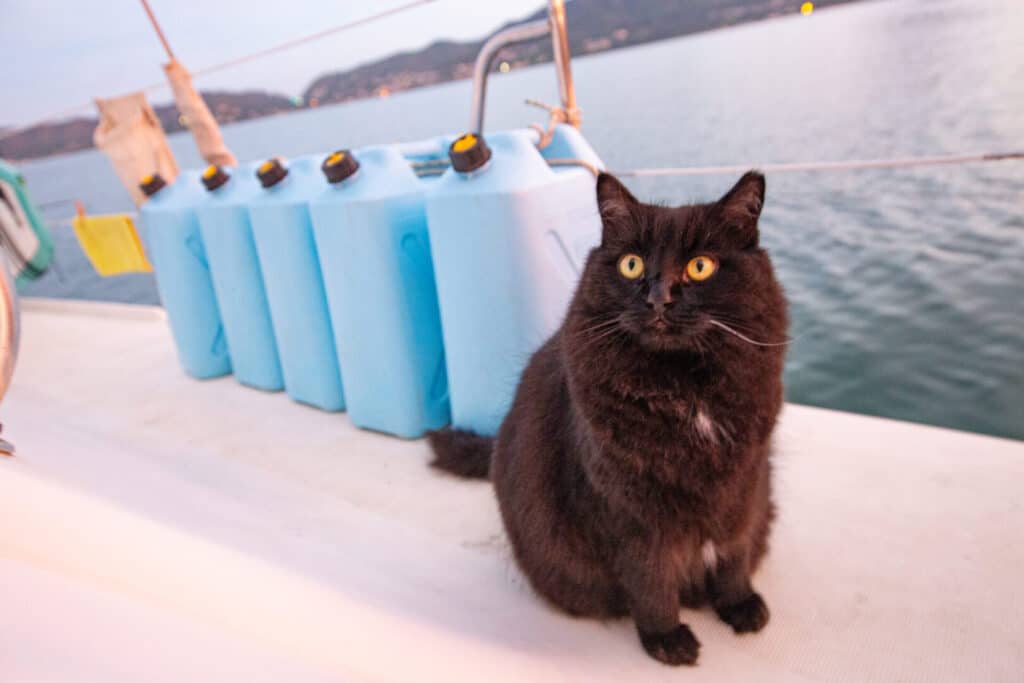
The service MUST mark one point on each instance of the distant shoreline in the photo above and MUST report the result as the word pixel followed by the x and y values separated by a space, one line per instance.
pixel 594 27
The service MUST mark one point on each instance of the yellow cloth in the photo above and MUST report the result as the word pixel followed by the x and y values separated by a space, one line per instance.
pixel 112 244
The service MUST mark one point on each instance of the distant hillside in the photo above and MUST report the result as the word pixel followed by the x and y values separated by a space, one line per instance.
pixel 594 26
pixel 75 134
pixel 49 138
pixel 228 107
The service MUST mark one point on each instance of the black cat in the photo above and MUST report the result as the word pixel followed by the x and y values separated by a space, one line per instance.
pixel 633 469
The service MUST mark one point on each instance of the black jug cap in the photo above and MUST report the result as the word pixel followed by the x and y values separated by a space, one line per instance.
pixel 151 184
pixel 339 166
pixel 214 176
pixel 271 172
pixel 469 153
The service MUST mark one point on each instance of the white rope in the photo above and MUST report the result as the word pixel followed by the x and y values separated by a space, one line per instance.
pixel 287 45
pixel 439 165
pixel 853 164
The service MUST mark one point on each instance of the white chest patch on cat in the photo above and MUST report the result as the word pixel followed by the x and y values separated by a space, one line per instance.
pixel 709 555
pixel 705 427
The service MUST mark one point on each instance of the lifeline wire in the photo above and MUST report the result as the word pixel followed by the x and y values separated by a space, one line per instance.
pixel 287 45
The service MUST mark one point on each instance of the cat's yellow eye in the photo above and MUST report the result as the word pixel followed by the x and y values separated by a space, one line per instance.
pixel 701 268
pixel 631 266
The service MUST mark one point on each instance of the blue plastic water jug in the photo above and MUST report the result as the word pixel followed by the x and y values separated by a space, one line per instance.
pixel 509 235
pixel 371 235
pixel 295 289
pixel 237 280
pixel 175 247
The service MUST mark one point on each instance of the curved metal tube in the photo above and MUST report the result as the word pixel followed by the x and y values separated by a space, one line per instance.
pixel 484 60
pixel 555 25
pixel 10 328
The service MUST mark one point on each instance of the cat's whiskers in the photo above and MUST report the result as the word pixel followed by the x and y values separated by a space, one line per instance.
pixel 741 323
pixel 598 326
pixel 606 334
pixel 744 337
pixel 604 329
pixel 701 345
pixel 744 325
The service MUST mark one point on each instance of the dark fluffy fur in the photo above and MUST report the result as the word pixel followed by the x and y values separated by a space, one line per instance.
pixel 639 436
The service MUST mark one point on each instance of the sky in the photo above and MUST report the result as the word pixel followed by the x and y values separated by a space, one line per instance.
pixel 65 52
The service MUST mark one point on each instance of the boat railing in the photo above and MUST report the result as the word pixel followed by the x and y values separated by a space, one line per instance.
pixel 523 33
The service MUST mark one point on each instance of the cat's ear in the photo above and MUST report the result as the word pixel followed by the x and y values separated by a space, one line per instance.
pixel 741 207
pixel 616 205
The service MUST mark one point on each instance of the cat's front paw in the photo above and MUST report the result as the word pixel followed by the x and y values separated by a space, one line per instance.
pixel 678 646
pixel 749 615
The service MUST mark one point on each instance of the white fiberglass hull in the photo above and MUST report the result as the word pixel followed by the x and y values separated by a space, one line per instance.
pixel 157 528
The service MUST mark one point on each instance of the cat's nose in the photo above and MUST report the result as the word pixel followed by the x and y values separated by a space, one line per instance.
pixel 660 296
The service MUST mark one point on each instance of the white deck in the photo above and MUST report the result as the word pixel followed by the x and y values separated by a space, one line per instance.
pixel 157 528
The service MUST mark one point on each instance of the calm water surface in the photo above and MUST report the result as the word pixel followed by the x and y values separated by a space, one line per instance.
pixel 907 286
